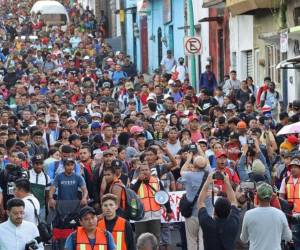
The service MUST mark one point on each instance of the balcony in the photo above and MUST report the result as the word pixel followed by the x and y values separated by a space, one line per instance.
pixel 238 7
pixel 213 3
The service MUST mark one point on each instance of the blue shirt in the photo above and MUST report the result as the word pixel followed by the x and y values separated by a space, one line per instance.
pixel 68 185
pixel 117 75
pixel 55 168
pixel 70 242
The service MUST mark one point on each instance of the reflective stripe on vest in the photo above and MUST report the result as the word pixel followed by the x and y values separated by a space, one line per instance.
pixel 293 194
pixel 118 232
pixel 147 194
pixel 83 243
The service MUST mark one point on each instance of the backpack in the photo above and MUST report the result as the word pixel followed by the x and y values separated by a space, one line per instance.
pixel 134 207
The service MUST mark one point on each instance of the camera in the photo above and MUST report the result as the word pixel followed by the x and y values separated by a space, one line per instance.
pixel 247 186
pixel 266 124
pixel 218 176
pixel 33 244
pixel 250 142
pixel 193 148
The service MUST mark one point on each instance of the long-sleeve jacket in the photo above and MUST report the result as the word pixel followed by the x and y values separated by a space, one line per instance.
pixel 243 173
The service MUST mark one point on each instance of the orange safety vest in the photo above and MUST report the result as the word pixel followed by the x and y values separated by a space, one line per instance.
pixel 123 194
pixel 83 243
pixel 118 232
pixel 147 194
pixel 293 194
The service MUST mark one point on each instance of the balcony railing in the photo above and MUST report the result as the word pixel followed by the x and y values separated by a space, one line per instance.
pixel 238 7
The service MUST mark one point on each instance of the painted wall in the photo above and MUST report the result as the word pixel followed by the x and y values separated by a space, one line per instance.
pixel 155 21
pixel 241 40
pixel 214 28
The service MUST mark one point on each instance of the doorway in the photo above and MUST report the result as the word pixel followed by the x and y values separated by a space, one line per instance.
pixel 159 46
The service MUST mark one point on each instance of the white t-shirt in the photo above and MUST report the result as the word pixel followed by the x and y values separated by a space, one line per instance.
pixel 182 71
pixel 265 227
pixel 168 63
pixel 29 209
pixel 174 148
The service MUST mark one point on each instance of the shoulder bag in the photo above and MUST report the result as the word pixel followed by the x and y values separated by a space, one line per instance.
pixel 44 229
pixel 185 206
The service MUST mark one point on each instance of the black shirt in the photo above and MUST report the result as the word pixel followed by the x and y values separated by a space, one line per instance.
pixel 128 232
pixel 219 234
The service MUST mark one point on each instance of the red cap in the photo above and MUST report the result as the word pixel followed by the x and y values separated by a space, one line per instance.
pixel 292 139
pixel 241 124
pixel 220 153
pixel 193 117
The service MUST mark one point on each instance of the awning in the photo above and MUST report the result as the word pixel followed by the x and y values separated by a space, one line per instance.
pixel 213 3
pixel 294 33
pixel 270 37
pixel 238 7
pixel 291 63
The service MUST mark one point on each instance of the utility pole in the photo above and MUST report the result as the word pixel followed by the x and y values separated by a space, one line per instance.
pixel 122 25
pixel 192 33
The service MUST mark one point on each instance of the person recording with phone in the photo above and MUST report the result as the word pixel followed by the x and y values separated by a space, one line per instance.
pixel 221 168
pixel 220 230
pixel 250 153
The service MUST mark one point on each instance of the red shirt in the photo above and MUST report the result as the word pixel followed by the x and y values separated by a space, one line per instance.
pixel 233 177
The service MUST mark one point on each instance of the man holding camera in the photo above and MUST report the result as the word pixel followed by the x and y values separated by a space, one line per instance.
pixel 219 231
pixel 15 233
pixel 249 154
pixel 222 167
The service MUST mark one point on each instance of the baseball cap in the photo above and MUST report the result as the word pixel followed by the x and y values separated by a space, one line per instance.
pixel 69 160
pixel 71 119
pixel 221 153
pixel 241 124
pixel 193 117
pixel 230 106
pixel 264 191
pixel 95 125
pixel 80 103
pixel 107 152
pixel 74 137
pixel 106 85
pixel 67 149
pixel 116 164
pixel 203 141
pixel 37 158
pixel 136 129
pixel 295 161
pixel 86 210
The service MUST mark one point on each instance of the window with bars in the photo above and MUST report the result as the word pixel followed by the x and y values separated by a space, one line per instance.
pixel 272 59
pixel 249 63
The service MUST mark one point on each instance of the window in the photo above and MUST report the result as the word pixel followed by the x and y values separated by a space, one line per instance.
pixel 249 63
pixel 256 75
pixel 272 59
pixel 297 16
pixel 233 62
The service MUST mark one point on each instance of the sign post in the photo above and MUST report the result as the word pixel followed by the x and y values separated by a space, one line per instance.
pixel 192 33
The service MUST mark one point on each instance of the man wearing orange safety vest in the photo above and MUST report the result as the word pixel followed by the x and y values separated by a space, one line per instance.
pixel 89 236
pixel 119 227
pixel 290 190
pixel 146 187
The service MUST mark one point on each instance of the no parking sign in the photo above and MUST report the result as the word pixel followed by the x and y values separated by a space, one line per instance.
pixel 192 45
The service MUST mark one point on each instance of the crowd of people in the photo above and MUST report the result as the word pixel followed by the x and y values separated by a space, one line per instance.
pixel 81 129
